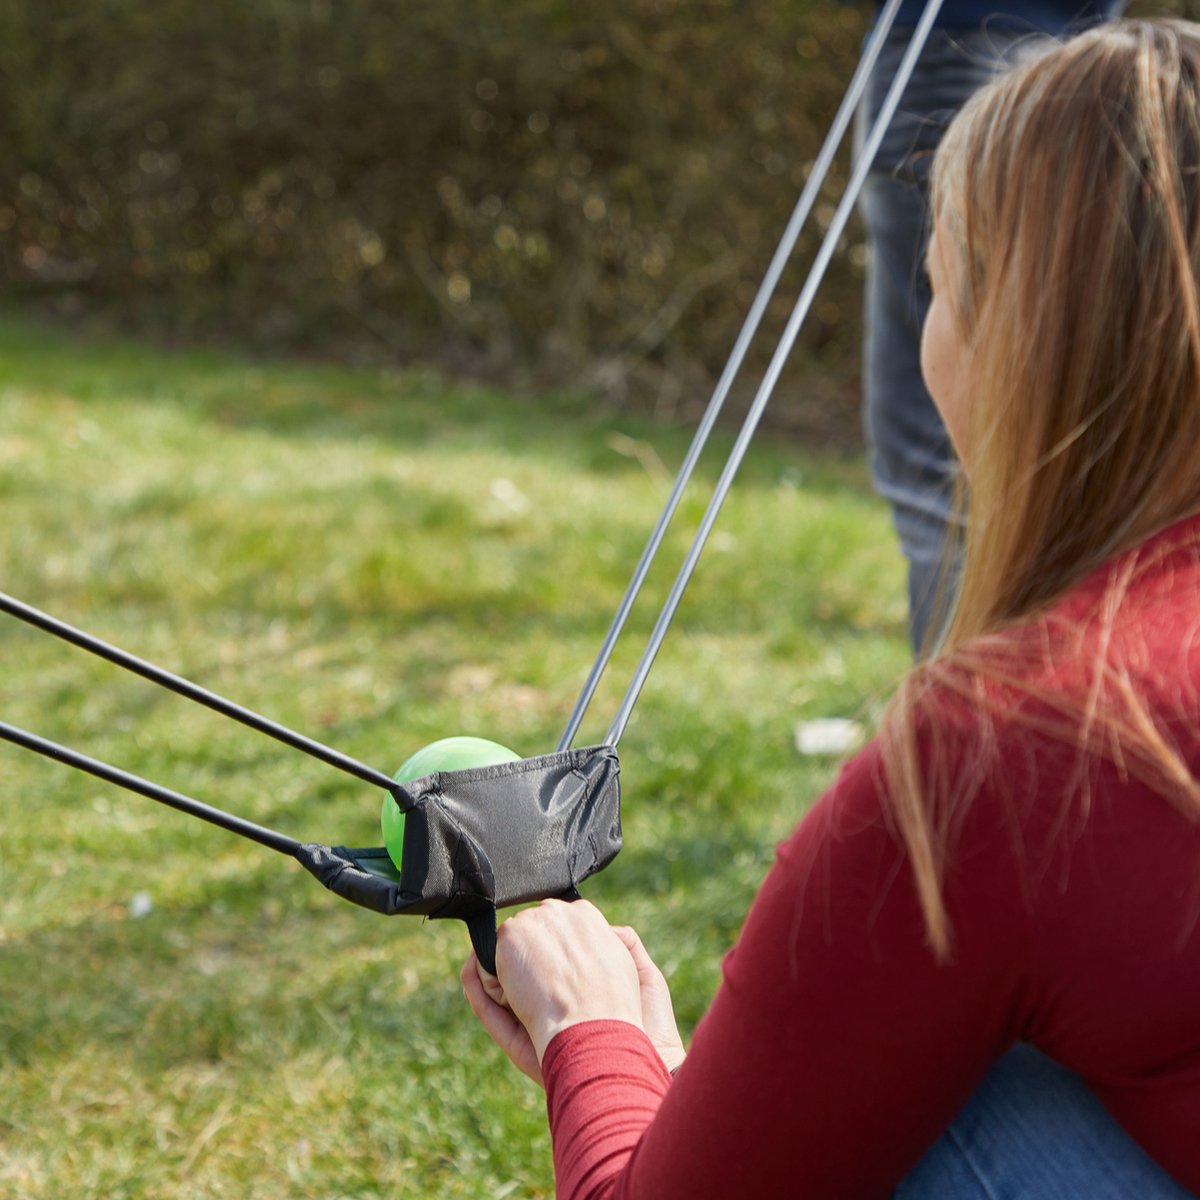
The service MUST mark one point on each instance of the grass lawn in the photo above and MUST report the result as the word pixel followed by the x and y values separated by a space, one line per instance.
pixel 377 560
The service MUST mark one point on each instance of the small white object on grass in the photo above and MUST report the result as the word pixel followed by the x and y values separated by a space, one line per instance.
pixel 507 499
pixel 828 736
pixel 140 906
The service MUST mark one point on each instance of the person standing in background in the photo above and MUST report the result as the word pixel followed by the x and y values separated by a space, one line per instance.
pixel 912 463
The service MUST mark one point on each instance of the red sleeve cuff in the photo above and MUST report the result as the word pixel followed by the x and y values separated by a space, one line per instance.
pixel 604 1084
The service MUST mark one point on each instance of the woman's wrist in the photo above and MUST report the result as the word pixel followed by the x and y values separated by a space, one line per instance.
pixel 548 1031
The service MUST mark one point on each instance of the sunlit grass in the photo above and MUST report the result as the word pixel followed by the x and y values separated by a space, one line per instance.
pixel 377 560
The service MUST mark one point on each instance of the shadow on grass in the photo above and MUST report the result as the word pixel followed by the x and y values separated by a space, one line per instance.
pixel 407 408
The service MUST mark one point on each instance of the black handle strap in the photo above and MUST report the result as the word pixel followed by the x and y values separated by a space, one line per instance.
pixel 482 928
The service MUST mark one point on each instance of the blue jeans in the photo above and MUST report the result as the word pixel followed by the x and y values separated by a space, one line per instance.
pixel 912 463
pixel 1033 1131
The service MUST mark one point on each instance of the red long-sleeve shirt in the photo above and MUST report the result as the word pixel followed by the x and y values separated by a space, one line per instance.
pixel 837 1047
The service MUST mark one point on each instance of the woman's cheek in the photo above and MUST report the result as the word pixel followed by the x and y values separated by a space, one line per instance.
pixel 941 361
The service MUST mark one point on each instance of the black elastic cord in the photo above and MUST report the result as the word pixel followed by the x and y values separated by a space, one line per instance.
pixel 134 783
pixel 192 691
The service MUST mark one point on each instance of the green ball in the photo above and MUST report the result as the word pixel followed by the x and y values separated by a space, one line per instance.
pixel 449 754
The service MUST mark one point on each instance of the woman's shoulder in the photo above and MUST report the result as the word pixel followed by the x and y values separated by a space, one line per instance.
pixel 1021 722
pixel 1131 624
pixel 1152 585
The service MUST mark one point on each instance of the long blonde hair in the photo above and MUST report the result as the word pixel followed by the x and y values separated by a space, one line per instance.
pixel 1070 188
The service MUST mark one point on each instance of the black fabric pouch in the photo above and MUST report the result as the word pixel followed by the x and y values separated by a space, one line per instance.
pixel 486 838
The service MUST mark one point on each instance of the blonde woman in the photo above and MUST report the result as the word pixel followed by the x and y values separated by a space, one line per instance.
pixel 974 969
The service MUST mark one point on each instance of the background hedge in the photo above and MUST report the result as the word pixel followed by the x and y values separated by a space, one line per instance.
pixel 534 189
pixel 537 190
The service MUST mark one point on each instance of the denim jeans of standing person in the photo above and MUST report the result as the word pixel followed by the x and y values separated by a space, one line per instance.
pixel 1033 1131
pixel 912 463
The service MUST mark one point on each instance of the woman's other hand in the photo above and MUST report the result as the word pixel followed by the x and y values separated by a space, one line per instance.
pixel 658 1014
pixel 486 999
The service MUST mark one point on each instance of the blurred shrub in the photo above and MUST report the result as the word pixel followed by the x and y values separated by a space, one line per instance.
pixel 535 189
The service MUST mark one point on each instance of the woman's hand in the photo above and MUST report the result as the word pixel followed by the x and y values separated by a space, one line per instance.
pixel 560 964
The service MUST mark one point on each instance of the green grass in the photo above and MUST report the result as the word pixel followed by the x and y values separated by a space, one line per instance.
pixel 377 559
